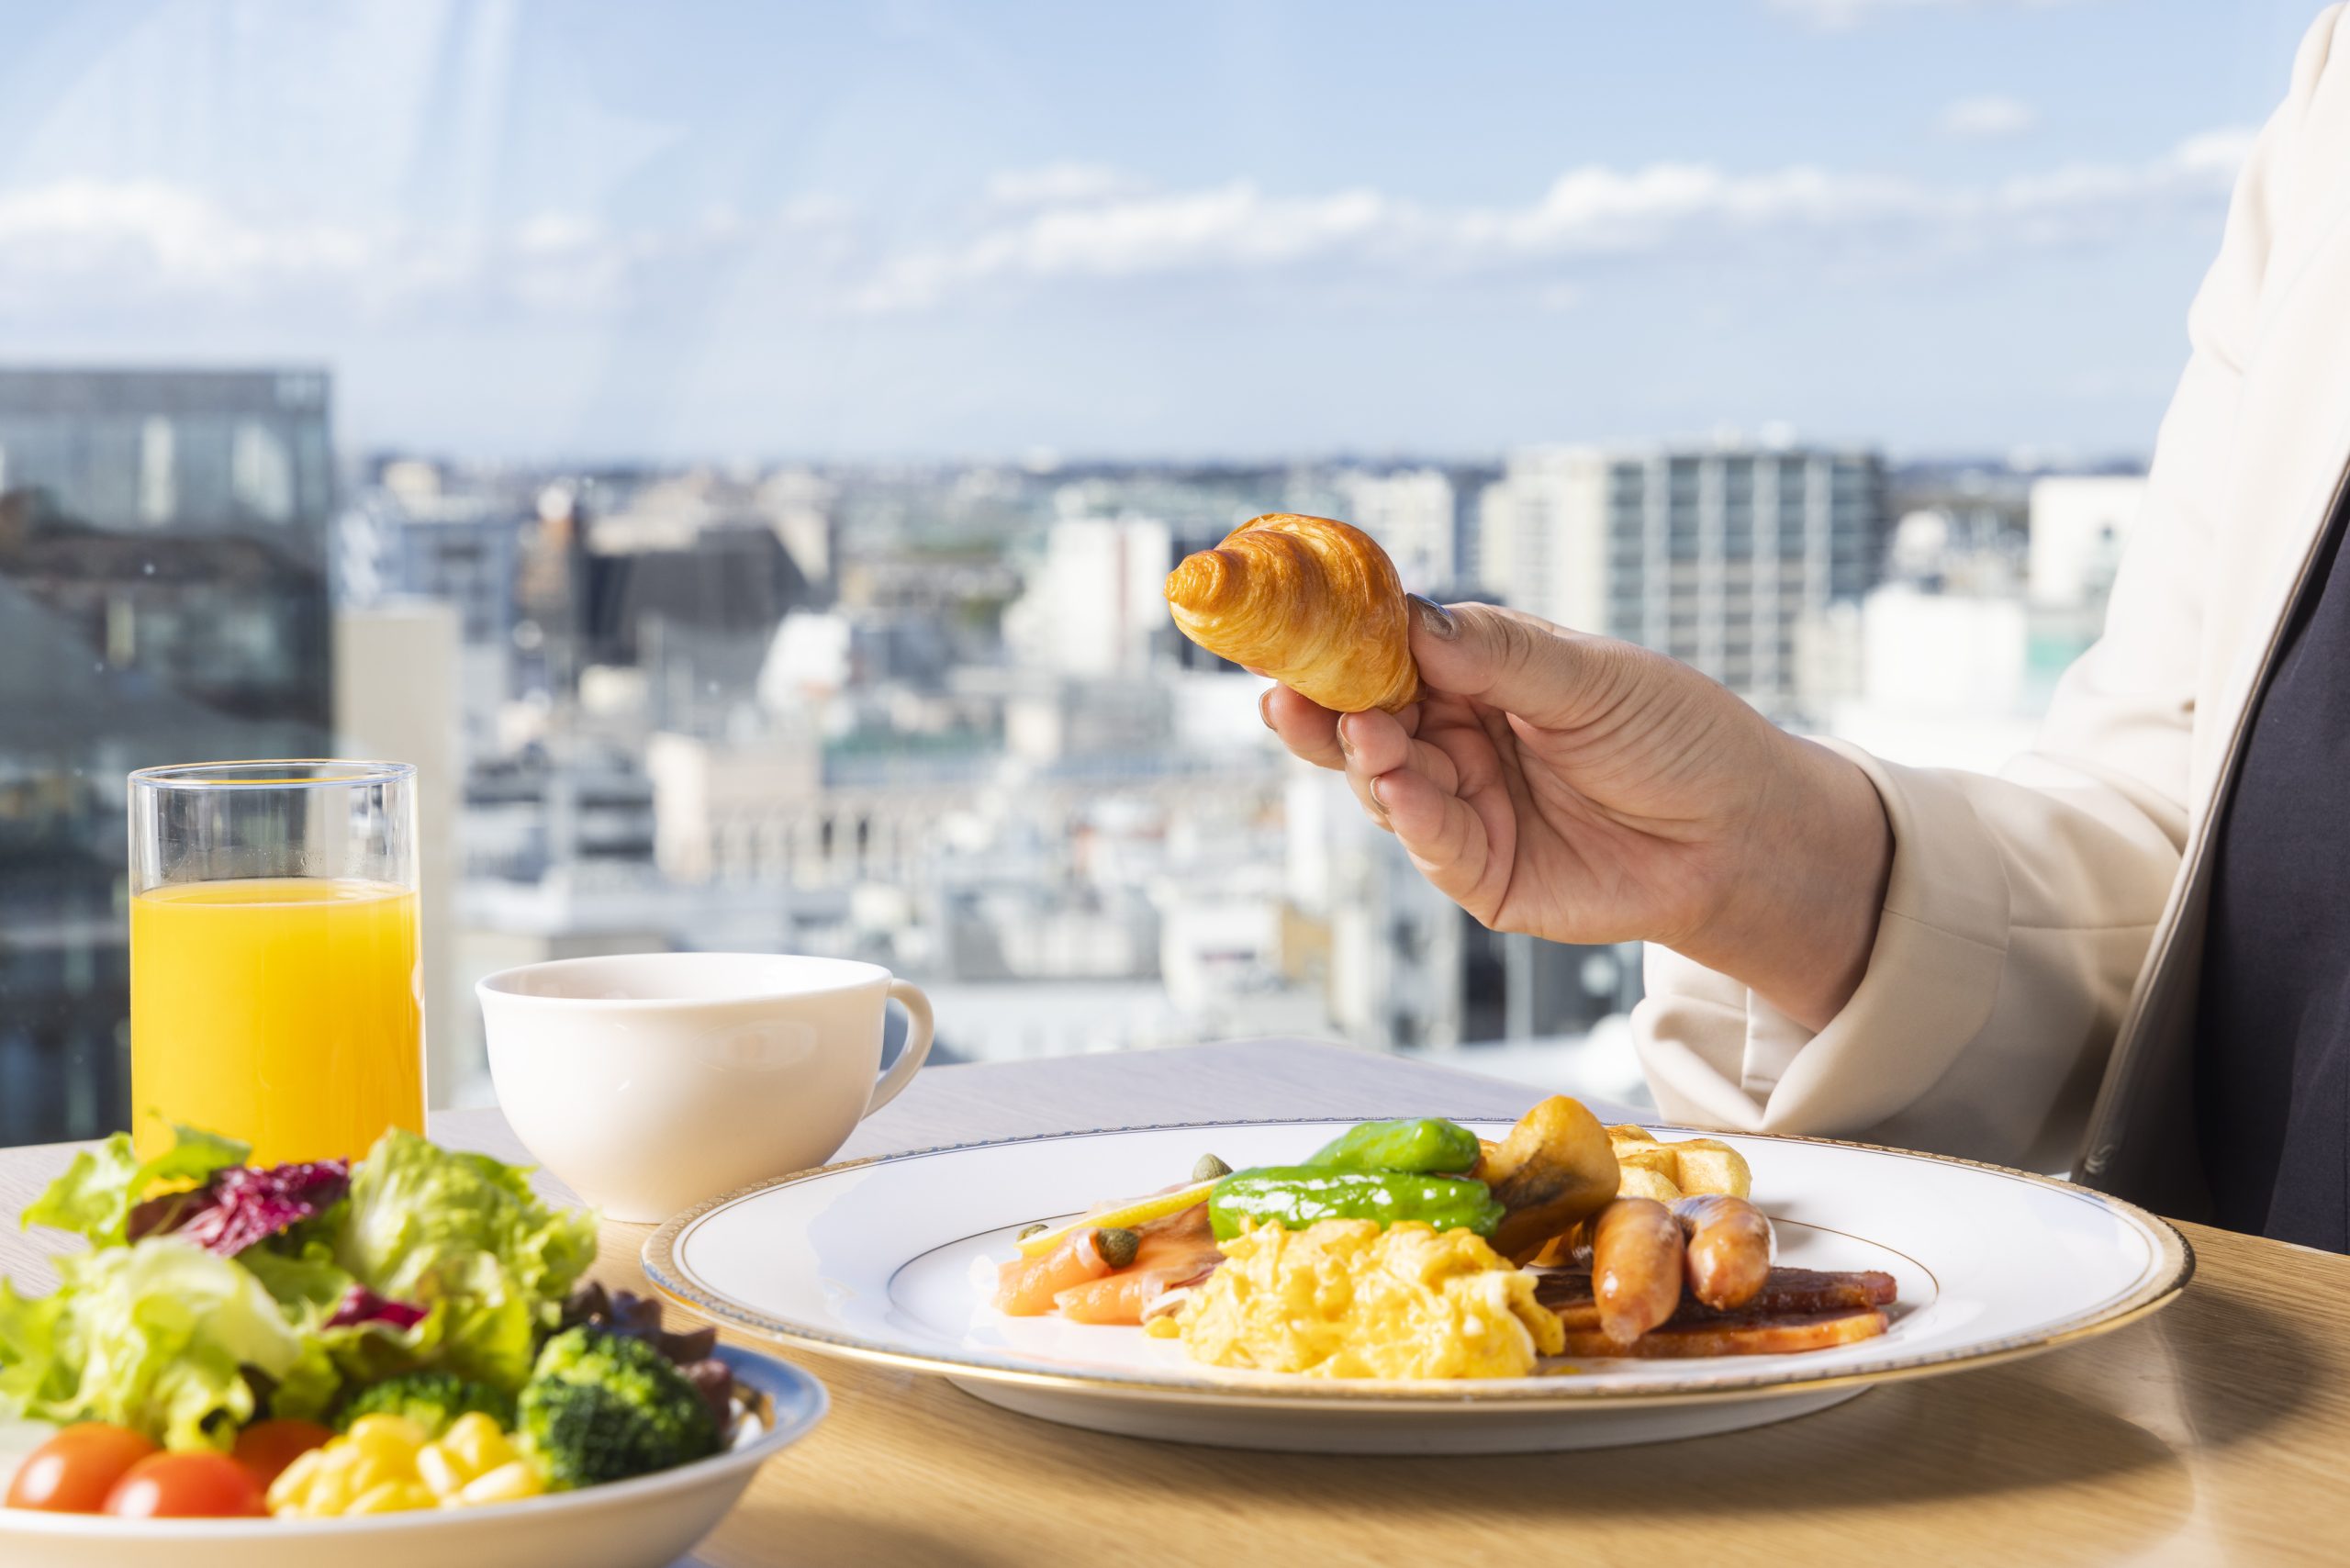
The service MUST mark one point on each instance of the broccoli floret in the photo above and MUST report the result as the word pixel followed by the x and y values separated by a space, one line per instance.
pixel 431 1399
pixel 602 1406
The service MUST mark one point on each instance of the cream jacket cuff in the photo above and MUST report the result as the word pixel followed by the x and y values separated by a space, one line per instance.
pixel 1716 1055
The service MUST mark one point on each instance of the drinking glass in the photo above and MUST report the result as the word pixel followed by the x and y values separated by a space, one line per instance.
pixel 276 993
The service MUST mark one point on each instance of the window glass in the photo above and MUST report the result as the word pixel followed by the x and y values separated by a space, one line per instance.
pixel 736 451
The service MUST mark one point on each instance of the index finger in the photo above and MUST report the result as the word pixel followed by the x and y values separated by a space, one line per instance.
pixel 1519 663
pixel 1304 725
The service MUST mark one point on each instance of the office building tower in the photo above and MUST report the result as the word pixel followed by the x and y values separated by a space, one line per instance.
pixel 2078 525
pixel 1410 512
pixel 1712 556
pixel 395 546
pixel 1095 605
pixel 162 599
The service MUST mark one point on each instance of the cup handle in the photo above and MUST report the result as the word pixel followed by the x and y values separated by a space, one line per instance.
pixel 917 1047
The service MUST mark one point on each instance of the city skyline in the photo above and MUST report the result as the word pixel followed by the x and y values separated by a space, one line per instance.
pixel 934 717
pixel 570 233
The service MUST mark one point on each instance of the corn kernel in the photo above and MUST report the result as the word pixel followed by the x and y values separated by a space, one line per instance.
pixel 509 1483
pixel 374 1470
pixel 474 1441
pixel 384 1465
pixel 390 1498
pixel 393 1437
pixel 294 1479
pixel 330 1495
pixel 438 1470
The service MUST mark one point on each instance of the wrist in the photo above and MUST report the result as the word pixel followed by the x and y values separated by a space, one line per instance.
pixel 1798 918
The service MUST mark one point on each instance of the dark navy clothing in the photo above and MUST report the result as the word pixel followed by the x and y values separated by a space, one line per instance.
pixel 2272 1053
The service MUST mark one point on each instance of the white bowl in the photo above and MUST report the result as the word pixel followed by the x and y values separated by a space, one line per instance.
pixel 645 1523
pixel 649 1081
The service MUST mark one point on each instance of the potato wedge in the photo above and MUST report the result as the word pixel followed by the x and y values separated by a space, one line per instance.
pixel 1555 1168
pixel 1656 1157
pixel 1647 1181
pixel 1707 1166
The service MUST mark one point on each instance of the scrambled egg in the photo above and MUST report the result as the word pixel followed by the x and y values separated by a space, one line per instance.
pixel 1344 1298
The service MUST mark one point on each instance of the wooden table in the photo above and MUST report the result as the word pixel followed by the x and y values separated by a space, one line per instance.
pixel 2216 1431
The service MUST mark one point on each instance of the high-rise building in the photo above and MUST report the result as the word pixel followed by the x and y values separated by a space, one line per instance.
pixel 1096 604
pixel 1410 512
pixel 162 599
pixel 395 546
pixel 1713 555
pixel 2079 522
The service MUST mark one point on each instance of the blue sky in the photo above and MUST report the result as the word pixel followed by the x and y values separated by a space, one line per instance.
pixel 581 229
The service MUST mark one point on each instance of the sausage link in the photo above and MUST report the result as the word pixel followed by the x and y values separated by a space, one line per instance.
pixel 1729 1249
pixel 1635 1266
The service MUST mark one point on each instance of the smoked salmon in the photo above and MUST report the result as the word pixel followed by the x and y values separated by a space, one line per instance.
pixel 1026 1287
pixel 1177 1250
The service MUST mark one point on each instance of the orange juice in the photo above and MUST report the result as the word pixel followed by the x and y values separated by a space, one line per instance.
pixel 280 1010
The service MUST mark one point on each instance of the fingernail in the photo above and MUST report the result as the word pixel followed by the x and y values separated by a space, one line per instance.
pixel 1379 790
pixel 1434 619
pixel 1265 707
pixel 1346 739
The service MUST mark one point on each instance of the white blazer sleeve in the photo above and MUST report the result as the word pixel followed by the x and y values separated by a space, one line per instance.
pixel 2020 907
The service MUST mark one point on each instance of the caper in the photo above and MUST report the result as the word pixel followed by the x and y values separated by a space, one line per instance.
pixel 1117 1247
pixel 1027 1231
pixel 1210 1168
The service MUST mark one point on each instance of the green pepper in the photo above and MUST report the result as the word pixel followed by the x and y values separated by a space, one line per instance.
pixel 1298 1196
pixel 1427 1143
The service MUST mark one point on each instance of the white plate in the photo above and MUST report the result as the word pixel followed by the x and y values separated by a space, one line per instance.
pixel 645 1523
pixel 888 1261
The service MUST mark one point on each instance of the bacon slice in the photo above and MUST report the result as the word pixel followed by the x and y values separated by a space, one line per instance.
pixel 1785 1290
pixel 1796 1310
pixel 1737 1334
pixel 1819 1289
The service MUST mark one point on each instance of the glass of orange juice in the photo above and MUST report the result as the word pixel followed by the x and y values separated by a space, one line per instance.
pixel 275 984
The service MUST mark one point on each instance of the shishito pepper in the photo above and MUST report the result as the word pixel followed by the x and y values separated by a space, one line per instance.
pixel 1421 1143
pixel 1299 1196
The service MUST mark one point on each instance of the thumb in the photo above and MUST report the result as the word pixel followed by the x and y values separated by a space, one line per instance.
pixel 1519 663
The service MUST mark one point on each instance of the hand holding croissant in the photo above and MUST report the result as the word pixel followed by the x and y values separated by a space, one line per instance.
pixel 1312 601
pixel 1574 787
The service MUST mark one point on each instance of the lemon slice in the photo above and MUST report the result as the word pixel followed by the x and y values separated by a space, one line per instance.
pixel 1125 1217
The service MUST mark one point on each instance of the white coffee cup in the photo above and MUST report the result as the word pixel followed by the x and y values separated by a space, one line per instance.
pixel 652 1082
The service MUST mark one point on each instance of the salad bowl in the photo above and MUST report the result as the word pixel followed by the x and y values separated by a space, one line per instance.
pixel 643 1523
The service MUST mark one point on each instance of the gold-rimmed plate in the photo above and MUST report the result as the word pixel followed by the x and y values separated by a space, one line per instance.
pixel 891 1261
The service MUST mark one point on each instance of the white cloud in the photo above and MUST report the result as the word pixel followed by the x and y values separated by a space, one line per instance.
pixel 2202 166
pixel 1059 182
pixel 81 228
pixel 84 248
pixel 116 247
pixel 1839 15
pixel 1240 226
pixel 1663 210
pixel 1988 117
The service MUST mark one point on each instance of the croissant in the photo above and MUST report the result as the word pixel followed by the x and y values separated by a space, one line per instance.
pixel 1312 601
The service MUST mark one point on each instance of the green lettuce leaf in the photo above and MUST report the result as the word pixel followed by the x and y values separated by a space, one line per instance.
pixel 30 1371
pixel 160 1337
pixel 309 1285
pixel 95 1196
pixel 463 1235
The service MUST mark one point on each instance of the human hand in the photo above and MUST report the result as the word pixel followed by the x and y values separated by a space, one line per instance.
pixel 1587 791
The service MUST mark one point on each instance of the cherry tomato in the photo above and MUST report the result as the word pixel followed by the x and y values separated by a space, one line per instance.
pixel 186 1487
pixel 266 1447
pixel 73 1472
